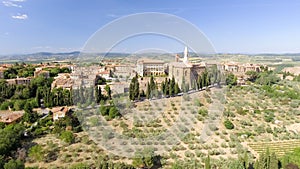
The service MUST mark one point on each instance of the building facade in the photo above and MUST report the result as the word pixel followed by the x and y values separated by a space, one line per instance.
pixel 149 67
pixel 184 72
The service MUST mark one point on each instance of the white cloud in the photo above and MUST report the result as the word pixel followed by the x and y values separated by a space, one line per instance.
pixel 11 4
pixel 20 16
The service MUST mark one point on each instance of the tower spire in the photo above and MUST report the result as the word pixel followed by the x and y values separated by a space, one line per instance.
pixel 185 54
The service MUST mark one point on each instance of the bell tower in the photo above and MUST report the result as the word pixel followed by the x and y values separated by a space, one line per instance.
pixel 185 55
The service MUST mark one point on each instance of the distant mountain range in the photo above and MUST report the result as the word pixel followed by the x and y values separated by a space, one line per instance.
pixel 48 56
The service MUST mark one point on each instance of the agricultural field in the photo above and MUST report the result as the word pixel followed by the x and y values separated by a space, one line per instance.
pixel 261 118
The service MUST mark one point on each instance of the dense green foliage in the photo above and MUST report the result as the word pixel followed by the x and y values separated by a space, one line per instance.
pixel 21 70
pixel 36 153
pixel 10 140
pixel 231 80
pixel 110 111
pixel 56 70
pixel 292 158
pixel 146 159
pixel 134 88
pixel 170 87
pixel 14 164
pixel 228 124
pixel 37 93
pixel 67 136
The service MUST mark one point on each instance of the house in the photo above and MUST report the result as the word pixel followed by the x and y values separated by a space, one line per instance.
pixel 59 112
pixel 9 117
pixel 84 76
pixel 150 67
pixel 124 70
pixel 19 81
pixel 63 80
pixel 105 74
pixel 119 87
pixel 40 72
pixel 241 68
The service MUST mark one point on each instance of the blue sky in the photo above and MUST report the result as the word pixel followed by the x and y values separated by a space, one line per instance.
pixel 233 26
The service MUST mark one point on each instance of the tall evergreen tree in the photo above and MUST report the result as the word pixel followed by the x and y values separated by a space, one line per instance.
pixel 98 94
pixel 148 91
pixel 108 91
pixel 207 163
pixel 176 89
pixel 172 86
pixel 152 84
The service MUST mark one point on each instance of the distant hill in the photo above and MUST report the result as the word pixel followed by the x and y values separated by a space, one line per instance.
pixel 70 56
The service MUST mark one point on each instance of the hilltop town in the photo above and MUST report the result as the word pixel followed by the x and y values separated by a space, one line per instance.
pixel 62 106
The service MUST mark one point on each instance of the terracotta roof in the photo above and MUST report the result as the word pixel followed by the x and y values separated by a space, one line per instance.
pixel 104 72
pixel 146 60
pixel 10 116
pixel 180 64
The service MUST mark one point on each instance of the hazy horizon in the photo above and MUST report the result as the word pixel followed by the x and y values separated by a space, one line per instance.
pixel 231 26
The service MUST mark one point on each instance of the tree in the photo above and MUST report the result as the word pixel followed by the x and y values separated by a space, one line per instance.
pixel 113 112
pixel 36 153
pixel 163 87
pixel 267 160
pixel 292 157
pixel 145 158
pixel 80 166
pixel 29 115
pixel 228 124
pixel 98 94
pixel 67 136
pixel 172 86
pixel 253 75
pixel 199 82
pixel 207 163
pixel 167 87
pixel 108 91
pixel 2 161
pixel 134 88
pixel 177 89
pixel 148 91
pixel 267 78
pixel 152 84
pixel 14 164
pixel 10 138
pixel 231 80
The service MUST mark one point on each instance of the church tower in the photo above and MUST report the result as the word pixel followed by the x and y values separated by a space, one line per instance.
pixel 185 54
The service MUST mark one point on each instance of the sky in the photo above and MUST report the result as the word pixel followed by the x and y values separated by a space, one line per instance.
pixel 232 26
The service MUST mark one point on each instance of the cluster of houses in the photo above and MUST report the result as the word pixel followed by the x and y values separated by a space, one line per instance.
pixel 118 75
pixel 9 116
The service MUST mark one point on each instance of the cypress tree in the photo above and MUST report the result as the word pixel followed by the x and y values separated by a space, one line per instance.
pixel 207 163
pixel 177 89
pixel 172 86
pixel 152 84
pixel 108 91
pixel 148 91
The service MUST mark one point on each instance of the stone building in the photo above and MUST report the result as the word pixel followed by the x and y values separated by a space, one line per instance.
pixel 184 71
pixel 150 67
pixel 40 72
pixel 63 80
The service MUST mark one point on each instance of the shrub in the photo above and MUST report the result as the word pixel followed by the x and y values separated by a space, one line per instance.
pixel 67 136
pixel 203 112
pixel 36 153
pixel 228 124
pixel 14 164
